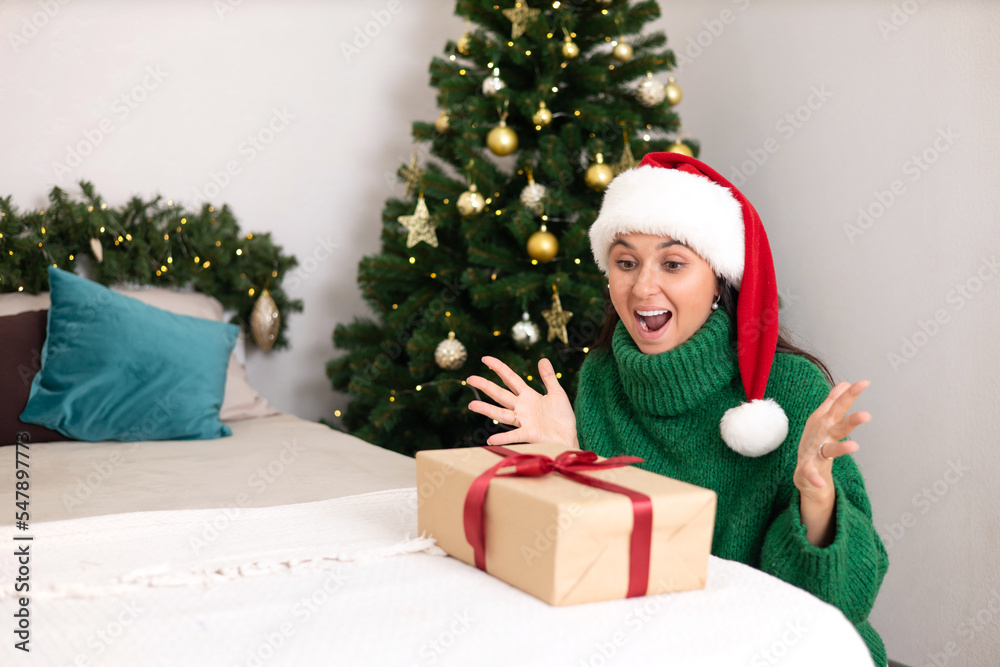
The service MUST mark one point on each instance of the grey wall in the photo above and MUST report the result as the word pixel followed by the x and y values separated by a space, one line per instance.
pixel 817 110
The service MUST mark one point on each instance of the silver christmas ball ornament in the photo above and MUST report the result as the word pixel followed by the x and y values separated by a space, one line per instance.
pixel 493 84
pixel 450 354
pixel 533 196
pixel 650 93
pixel 525 332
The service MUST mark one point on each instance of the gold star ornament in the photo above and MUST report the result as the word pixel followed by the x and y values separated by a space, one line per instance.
pixel 557 319
pixel 412 174
pixel 419 225
pixel 520 15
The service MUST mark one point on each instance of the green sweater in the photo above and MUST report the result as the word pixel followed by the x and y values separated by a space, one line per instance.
pixel 666 409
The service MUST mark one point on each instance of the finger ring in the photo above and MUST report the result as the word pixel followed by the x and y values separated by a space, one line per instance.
pixel 820 451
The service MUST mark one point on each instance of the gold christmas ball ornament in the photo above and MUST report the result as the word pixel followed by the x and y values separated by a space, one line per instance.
pixel 502 140
pixel 679 147
pixel 442 123
pixel 464 42
pixel 471 202
pixel 569 48
pixel 650 93
pixel 543 116
pixel 533 196
pixel 450 354
pixel 265 321
pixel 525 332
pixel 599 175
pixel 493 84
pixel 622 52
pixel 673 92
pixel 543 245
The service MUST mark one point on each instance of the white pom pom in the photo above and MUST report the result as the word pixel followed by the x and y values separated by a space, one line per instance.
pixel 755 428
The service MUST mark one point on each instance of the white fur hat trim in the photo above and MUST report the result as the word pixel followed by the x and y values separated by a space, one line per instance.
pixel 755 428
pixel 670 202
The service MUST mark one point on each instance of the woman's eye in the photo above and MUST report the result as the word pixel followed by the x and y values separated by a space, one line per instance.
pixel 673 266
pixel 626 263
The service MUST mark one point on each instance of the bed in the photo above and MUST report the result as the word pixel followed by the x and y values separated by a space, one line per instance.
pixel 291 543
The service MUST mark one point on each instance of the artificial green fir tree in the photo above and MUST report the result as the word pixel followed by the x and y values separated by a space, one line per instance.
pixel 488 253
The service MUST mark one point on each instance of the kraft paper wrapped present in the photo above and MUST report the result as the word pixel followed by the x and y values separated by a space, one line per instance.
pixel 559 539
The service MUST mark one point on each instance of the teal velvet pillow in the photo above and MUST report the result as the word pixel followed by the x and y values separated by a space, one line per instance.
pixel 114 368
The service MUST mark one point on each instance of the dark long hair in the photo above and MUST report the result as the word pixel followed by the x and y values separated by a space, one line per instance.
pixel 727 301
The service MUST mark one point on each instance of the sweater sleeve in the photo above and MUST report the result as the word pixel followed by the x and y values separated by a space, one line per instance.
pixel 847 573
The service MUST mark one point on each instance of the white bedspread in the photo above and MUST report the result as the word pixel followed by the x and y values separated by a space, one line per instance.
pixel 347 582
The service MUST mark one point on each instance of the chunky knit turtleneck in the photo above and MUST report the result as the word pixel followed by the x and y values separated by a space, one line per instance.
pixel 666 409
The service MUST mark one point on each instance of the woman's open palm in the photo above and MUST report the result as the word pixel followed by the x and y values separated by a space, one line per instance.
pixel 535 418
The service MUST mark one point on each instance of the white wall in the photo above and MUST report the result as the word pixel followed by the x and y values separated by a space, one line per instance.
pixel 887 96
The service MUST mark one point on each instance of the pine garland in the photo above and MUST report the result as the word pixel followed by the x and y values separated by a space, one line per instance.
pixel 144 242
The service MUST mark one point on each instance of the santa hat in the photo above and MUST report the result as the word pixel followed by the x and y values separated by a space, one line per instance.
pixel 670 194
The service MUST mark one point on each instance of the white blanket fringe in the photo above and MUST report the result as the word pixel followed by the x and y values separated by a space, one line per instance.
pixel 354 528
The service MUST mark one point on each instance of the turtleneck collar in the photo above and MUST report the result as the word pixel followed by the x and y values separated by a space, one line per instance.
pixel 673 382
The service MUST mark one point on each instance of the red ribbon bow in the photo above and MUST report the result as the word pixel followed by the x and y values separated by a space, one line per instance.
pixel 568 464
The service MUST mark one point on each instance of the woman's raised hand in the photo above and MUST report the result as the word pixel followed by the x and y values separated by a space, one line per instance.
pixel 820 442
pixel 535 418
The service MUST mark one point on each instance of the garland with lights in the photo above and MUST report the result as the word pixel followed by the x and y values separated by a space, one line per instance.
pixel 150 242
pixel 541 106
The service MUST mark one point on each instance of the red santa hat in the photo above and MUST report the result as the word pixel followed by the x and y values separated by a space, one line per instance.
pixel 670 194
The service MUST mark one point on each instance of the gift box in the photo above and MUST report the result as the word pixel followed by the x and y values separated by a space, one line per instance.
pixel 543 529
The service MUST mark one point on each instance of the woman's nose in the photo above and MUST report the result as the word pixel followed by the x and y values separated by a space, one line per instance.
pixel 645 283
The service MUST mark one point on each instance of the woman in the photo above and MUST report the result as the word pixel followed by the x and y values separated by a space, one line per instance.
pixel 690 374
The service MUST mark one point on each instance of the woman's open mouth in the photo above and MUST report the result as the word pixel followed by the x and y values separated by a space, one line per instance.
pixel 652 323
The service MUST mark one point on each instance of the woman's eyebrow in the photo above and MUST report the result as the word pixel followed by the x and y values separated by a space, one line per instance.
pixel 665 244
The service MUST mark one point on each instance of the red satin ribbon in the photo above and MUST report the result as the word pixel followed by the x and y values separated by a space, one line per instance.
pixel 568 464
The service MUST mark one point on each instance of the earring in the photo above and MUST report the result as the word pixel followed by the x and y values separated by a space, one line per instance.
pixel 715 304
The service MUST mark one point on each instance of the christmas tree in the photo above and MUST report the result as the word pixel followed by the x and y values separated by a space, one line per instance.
pixel 540 108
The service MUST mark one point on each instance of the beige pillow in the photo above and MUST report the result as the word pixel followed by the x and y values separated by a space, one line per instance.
pixel 241 400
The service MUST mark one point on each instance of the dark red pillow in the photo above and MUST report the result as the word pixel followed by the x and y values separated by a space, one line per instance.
pixel 22 337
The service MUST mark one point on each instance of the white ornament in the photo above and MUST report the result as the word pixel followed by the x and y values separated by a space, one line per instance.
pixel 450 354
pixel 533 197
pixel 650 93
pixel 493 84
pixel 525 332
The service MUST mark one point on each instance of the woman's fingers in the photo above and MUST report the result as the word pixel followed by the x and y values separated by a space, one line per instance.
pixel 548 375
pixel 509 377
pixel 846 399
pixel 502 415
pixel 508 437
pixel 844 427
pixel 491 389
pixel 834 448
